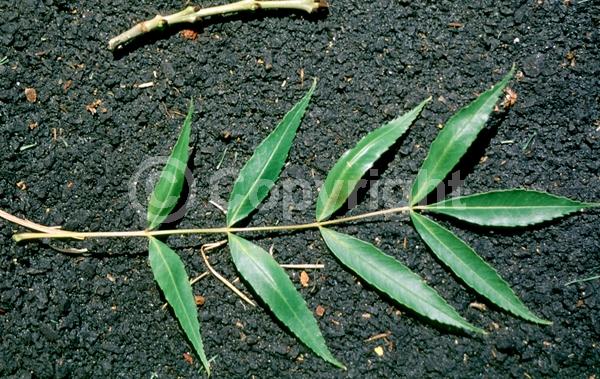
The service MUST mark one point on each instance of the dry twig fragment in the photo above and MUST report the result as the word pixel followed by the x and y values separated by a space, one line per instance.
pixel 379 336
pixel 192 14
pixel 479 306
pixel 144 85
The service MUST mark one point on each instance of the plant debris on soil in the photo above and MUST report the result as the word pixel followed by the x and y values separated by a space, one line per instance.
pixel 96 127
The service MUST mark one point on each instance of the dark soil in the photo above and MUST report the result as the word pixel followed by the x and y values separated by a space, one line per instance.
pixel 101 316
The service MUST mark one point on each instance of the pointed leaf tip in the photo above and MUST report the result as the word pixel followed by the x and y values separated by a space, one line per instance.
pixel 169 272
pixel 393 278
pixel 274 286
pixel 167 190
pixel 262 170
pixel 454 139
pixel 354 163
pixel 468 266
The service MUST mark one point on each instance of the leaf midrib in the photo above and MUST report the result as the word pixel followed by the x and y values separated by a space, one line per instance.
pixel 275 287
pixel 391 279
pixel 172 184
pixel 480 207
pixel 172 277
pixel 263 169
pixel 446 148
pixel 349 166
pixel 359 154
pixel 462 260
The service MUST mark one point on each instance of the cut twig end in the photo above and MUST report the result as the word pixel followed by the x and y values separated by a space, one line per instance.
pixel 322 4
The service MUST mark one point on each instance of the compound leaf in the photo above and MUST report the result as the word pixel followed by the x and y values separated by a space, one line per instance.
pixel 515 207
pixel 276 289
pixel 168 188
pixel 392 277
pixel 172 279
pixel 468 266
pixel 259 174
pixel 454 139
pixel 353 164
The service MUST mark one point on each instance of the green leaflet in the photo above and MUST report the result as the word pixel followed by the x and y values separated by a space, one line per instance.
pixel 515 207
pixel 468 266
pixel 276 289
pixel 452 142
pixel 350 168
pixel 172 279
pixel 259 174
pixel 392 277
pixel 166 192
